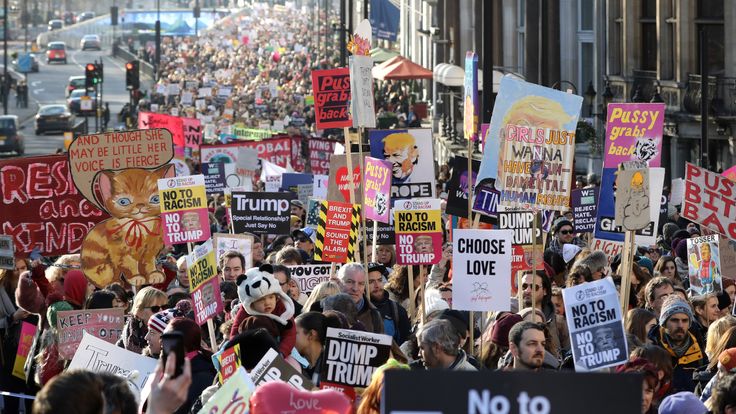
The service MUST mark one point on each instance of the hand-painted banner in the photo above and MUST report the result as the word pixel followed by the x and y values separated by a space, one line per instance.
pixel 418 225
pixel 338 184
pixel 632 199
pixel 106 324
pixel 173 124
pixel 481 265
pixel 42 208
pixel 184 214
pixel 242 243
pixel 332 98
pixel 584 209
pixel 337 232
pixel 412 160
pixel 377 190
pixel 319 155
pixel 279 150
pixel 201 265
pixel 534 127
pixel 710 200
pixel 471 107
pixel 634 133
pixel 704 264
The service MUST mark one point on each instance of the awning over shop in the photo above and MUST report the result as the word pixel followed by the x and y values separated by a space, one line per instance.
pixel 381 55
pixel 400 68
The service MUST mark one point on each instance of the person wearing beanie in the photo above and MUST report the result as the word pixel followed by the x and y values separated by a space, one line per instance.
pixel 682 403
pixel 564 234
pixel 156 327
pixel 674 335
pixel 495 341
pixel 680 249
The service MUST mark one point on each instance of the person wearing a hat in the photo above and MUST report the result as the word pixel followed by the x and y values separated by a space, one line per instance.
pixel 682 403
pixel 564 232
pixel 726 366
pixel 297 209
pixel 498 338
pixel 295 223
pixel 156 326
pixel 395 319
pixel 304 239
pixel 673 334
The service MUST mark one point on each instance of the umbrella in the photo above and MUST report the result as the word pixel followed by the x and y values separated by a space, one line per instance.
pixel 400 68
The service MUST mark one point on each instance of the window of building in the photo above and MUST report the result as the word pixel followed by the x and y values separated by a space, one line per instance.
pixel 615 39
pixel 585 15
pixel 648 46
pixel 709 23
pixel 521 35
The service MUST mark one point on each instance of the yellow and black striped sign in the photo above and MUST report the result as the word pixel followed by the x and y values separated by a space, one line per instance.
pixel 337 232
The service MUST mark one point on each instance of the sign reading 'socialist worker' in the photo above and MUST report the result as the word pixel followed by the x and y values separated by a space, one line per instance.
pixel 261 212
pixel 351 356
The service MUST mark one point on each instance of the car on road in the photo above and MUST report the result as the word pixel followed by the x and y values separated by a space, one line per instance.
pixel 56 52
pixel 74 102
pixel 34 64
pixel 10 137
pixel 55 24
pixel 69 18
pixel 91 41
pixel 88 15
pixel 74 83
pixel 53 118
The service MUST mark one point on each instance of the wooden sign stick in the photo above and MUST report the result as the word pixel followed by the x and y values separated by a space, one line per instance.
pixel 470 224
pixel 366 259
pixel 625 269
pixel 412 295
pixel 534 258
pixel 351 184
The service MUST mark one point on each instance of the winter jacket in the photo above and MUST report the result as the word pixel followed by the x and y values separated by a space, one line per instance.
pixel 461 363
pixel 203 374
pixel 394 316
pixel 370 317
pixel 684 365
pixel 287 340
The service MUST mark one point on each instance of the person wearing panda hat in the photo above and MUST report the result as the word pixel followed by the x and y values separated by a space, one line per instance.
pixel 261 295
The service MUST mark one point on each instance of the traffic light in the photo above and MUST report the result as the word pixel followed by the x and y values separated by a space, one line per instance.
pixel 132 75
pixel 98 72
pixel 89 75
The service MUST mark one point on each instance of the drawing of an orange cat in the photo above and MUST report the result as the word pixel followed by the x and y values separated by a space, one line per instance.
pixel 126 245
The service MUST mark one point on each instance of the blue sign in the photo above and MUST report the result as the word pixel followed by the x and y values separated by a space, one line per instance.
pixel 25 63
pixel 470 102
pixel 384 20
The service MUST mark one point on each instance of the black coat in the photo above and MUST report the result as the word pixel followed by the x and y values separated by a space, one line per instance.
pixel 203 374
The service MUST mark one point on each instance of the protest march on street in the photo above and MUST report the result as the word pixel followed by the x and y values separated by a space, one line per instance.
pixel 262 240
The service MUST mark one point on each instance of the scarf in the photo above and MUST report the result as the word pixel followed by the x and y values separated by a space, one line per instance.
pixel 687 353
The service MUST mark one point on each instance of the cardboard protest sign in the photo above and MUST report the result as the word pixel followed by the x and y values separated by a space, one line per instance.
pixel 42 208
pixel 704 264
pixel 534 127
pixel 192 132
pixel 491 392
pixel 485 200
pixel 201 265
pixel 377 190
pixel 310 275
pixel 184 214
pixel 350 357
pixel 207 301
pixel 412 160
pixel 471 107
pixel 273 367
pixel 634 133
pixel 597 336
pixel 610 247
pixel 332 98
pixel 632 199
pixel 362 107
pixel 173 124
pixel 457 187
pixel 261 212
pixel 584 209
pixel 319 155
pixel 481 263
pixel 27 333
pixel 229 362
pixel 606 227
pixel 337 232
pixel 338 184
pixel 709 200
pixel 96 355
pixel 233 396
pixel 242 243
pixel 106 324
pixel 7 252
pixel 418 225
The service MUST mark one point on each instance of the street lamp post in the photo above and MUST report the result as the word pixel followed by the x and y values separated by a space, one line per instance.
pixel 158 40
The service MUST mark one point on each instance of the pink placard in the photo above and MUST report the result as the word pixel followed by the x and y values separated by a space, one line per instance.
pixel 634 133
pixel 207 301
pixel 377 190
pixel 194 226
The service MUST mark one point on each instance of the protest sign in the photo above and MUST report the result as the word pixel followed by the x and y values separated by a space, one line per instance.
pixel 377 189
pixel 310 275
pixel 173 124
pixel 27 333
pixel 597 336
pixel 338 184
pixel 313 213
pixel 184 214
pixel 632 199
pixel 606 227
pixel 517 392
pixel 207 301
pixel 709 200
pixel 201 265
pixel 634 133
pixel 96 355
pixel 704 264
pixel 362 107
pixel 385 234
pixel 412 160
pixel 319 155
pixel 418 225
pixel 610 247
pixel 332 98
pixel 534 127
pixel 233 397
pixel 242 243
pixel 215 179
pixel 350 357
pixel 106 324
pixel 522 243
pixel 42 208
pixel 471 107
pixel 481 263
pixel 273 367
pixel 457 187
pixel 486 200
pixel 279 150
pixel 228 362
pixel 584 209
pixel 319 186
pixel 7 252
pixel 293 181
pixel 261 213
pixel 337 232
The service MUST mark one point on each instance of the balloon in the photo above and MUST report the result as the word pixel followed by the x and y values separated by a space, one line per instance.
pixel 280 397
pixel 276 57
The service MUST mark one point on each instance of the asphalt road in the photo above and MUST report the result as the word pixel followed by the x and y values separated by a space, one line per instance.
pixel 48 86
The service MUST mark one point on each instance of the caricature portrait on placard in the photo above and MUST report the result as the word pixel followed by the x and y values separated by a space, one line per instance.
pixel 412 161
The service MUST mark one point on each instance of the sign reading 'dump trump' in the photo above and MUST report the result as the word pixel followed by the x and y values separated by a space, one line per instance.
pixel 351 356
pixel 261 212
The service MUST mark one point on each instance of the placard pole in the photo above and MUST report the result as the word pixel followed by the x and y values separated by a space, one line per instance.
pixel 366 259
pixel 535 223
pixel 625 269
pixel 412 295
pixel 351 184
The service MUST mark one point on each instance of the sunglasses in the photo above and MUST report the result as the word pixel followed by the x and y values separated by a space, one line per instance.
pixel 303 239
pixel 156 308
pixel 565 231
pixel 525 286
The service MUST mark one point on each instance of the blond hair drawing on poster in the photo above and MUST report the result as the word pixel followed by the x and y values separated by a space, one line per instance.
pixel 401 150
pixel 703 267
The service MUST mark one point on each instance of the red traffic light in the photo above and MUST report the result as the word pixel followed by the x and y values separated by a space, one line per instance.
pixel 90 67
pixel 129 66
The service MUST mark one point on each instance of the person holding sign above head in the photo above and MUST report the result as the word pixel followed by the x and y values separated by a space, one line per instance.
pixel 673 334
pixel 439 346
pixel 354 279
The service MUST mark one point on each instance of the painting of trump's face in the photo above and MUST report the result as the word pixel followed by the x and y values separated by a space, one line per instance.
pixel 401 151
pixel 190 221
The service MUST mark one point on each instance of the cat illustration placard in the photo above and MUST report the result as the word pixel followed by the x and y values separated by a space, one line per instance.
pixel 119 172
pixel 632 199
pixel 184 209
